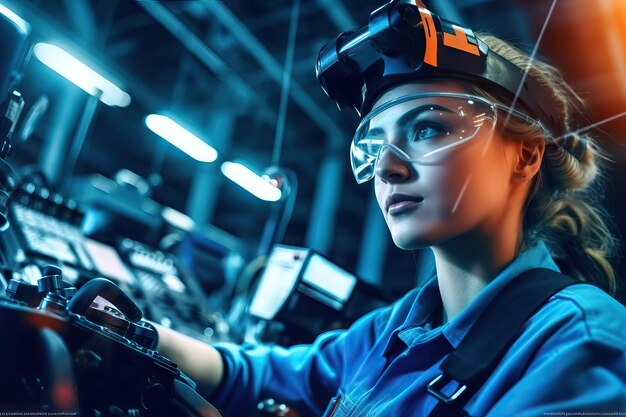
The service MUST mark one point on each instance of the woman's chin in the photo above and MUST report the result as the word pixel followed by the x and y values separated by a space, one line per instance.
pixel 410 241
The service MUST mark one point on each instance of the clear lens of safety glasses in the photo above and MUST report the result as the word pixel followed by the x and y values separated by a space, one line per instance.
pixel 417 128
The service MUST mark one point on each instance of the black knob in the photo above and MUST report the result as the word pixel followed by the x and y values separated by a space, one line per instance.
pixel 52 279
pixel 69 292
pixel 51 270
pixel 23 291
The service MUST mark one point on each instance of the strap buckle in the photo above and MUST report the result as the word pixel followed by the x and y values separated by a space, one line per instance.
pixel 435 386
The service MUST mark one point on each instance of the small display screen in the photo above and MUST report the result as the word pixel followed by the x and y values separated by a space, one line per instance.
pixel 276 283
pixel 327 276
pixel 107 261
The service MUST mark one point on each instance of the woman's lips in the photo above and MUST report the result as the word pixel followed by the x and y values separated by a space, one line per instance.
pixel 403 207
pixel 397 203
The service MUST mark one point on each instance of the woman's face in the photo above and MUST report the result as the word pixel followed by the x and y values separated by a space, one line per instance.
pixel 460 190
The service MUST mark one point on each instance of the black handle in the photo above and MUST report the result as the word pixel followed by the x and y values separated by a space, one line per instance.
pixel 83 298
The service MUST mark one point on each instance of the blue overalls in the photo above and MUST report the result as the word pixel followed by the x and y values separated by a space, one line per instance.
pixel 569 358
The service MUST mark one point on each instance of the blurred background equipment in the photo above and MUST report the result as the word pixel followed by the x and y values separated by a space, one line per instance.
pixel 244 222
pixel 301 294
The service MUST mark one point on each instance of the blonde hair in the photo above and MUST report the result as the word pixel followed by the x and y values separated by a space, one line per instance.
pixel 562 206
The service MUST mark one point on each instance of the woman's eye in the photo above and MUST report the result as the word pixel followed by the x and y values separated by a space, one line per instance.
pixel 422 132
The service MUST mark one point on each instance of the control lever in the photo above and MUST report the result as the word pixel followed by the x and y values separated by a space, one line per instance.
pixel 80 303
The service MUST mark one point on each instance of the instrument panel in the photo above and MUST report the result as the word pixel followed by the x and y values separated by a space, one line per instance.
pixel 46 229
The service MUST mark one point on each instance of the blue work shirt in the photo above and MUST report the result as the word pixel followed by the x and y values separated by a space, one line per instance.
pixel 570 357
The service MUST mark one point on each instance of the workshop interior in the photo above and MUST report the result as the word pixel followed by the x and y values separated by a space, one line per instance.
pixel 176 162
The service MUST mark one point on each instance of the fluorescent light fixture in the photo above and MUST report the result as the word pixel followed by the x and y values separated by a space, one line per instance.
pixel 19 22
pixel 81 75
pixel 178 219
pixel 251 182
pixel 181 138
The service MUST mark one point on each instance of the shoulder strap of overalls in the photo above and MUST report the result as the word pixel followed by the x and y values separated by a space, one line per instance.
pixel 490 336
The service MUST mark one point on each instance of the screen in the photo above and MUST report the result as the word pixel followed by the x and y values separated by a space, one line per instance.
pixel 107 261
pixel 329 277
pixel 278 279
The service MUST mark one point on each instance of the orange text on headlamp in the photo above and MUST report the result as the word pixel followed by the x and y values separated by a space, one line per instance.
pixel 430 30
pixel 457 41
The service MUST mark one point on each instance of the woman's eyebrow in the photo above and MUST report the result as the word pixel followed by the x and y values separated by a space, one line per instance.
pixel 413 113
pixel 409 115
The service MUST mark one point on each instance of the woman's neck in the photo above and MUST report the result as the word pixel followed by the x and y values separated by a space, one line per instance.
pixel 467 264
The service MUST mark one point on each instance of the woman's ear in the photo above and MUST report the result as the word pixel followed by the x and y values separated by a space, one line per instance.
pixel 530 155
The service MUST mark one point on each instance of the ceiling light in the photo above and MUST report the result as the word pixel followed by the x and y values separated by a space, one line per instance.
pixel 180 137
pixel 251 182
pixel 81 75
pixel 19 22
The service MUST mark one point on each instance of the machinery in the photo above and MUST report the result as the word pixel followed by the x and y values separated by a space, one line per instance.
pixel 67 350
pixel 86 352
pixel 82 279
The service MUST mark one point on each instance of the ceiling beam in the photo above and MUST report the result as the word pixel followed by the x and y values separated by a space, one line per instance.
pixel 82 17
pixel 198 48
pixel 243 35
pixel 46 27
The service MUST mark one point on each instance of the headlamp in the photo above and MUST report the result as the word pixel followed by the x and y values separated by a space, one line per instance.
pixel 403 42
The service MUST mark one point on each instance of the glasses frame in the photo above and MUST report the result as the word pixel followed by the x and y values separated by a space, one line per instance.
pixel 510 111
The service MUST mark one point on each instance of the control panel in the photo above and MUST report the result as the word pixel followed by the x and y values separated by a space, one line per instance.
pixel 175 297
pixel 86 352
pixel 47 228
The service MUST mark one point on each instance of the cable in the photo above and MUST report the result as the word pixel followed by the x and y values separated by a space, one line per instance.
pixel 286 83
pixel 281 227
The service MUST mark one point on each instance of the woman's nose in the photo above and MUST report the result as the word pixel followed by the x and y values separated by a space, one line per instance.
pixel 391 167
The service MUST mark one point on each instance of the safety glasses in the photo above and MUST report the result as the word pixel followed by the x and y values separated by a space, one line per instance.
pixel 419 127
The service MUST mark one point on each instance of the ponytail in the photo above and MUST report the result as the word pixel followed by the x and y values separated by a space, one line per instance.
pixel 563 207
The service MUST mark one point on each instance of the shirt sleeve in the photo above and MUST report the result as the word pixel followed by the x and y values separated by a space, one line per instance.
pixel 573 374
pixel 304 376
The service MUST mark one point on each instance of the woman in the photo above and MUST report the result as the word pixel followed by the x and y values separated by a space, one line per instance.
pixel 496 186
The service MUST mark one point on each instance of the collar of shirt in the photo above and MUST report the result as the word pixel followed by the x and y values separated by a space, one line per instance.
pixel 417 328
